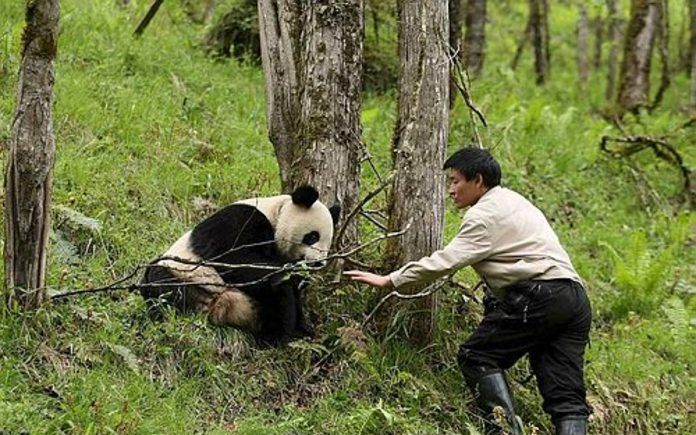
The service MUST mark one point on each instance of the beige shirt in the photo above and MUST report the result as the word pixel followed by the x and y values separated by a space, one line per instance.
pixel 505 238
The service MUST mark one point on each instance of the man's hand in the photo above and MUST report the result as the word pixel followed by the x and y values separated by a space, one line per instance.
pixel 369 278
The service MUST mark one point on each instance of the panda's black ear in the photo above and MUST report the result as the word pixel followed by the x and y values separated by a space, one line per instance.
pixel 305 196
pixel 335 211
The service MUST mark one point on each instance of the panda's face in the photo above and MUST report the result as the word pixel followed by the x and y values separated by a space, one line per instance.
pixel 304 233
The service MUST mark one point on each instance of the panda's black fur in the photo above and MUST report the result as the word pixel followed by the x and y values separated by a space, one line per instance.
pixel 241 234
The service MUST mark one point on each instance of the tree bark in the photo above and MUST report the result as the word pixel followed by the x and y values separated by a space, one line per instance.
pixel 30 161
pixel 475 36
pixel 692 5
pixel 583 32
pixel 311 53
pixel 598 24
pixel 663 48
pixel 455 43
pixel 419 147
pixel 330 146
pixel 634 86
pixel 539 19
pixel 613 17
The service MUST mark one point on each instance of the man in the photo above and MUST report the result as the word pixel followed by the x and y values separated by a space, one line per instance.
pixel 535 302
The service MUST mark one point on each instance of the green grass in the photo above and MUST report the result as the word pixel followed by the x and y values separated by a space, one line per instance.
pixel 145 128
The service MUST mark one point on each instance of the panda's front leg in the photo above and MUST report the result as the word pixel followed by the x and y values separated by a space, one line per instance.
pixel 301 325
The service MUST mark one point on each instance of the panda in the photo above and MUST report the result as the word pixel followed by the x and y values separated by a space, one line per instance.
pixel 258 236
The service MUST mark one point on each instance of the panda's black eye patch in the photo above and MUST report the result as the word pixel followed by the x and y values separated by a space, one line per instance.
pixel 310 238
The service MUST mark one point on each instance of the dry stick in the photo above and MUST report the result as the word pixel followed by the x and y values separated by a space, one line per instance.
pixel 275 270
pixel 432 288
pixel 147 18
pixel 660 148
pixel 359 206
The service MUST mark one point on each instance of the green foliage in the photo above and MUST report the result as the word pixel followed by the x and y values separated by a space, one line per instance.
pixel 152 135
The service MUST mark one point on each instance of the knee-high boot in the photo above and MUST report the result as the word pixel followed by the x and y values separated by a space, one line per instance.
pixel 571 425
pixel 492 391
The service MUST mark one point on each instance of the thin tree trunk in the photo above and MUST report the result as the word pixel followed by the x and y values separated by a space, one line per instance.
pixel 613 17
pixel 540 39
pixel 419 146
pixel 522 42
pixel 663 47
pixel 312 61
pixel 475 37
pixel 692 4
pixel 583 32
pixel 598 24
pixel 634 88
pixel 29 169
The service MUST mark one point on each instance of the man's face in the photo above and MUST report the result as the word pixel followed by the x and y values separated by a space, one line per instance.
pixel 465 193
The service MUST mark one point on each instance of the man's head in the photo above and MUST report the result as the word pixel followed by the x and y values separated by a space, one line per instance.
pixel 472 172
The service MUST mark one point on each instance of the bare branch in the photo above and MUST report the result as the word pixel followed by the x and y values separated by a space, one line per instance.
pixel 432 288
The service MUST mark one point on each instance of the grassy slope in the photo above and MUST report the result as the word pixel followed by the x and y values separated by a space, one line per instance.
pixel 146 127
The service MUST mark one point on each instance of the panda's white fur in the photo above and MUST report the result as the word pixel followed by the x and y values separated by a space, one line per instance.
pixel 296 222
pixel 292 222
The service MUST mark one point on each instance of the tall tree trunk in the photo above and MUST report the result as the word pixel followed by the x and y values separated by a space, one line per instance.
pixel 663 48
pixel 29 169
pixel 539 19
pixel 613 16
pixel 598 25
pixel 692 5
pixel 455 43
pixel 312 60
pixel 583 32
pixel 475 37
pixel 419 145
pixel 330 146
pixel 634 86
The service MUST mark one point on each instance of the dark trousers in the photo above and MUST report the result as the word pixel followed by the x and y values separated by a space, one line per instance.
pixel 550 320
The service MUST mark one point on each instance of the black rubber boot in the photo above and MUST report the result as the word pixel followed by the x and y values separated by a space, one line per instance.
pixel 493 391
pixel 572 425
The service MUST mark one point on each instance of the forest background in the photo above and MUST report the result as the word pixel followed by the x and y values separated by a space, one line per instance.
pixel 155 133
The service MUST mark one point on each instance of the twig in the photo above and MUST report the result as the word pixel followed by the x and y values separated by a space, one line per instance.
pixel 148 17
pixel 660 148
pixel 432 288
pixel 359 206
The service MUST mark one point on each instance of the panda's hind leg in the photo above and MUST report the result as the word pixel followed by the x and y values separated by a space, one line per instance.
pixel 163 292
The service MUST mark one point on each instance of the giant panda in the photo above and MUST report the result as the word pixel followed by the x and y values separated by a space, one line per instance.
pixel 268 233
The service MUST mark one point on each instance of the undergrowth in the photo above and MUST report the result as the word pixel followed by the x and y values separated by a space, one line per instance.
pixel 152 135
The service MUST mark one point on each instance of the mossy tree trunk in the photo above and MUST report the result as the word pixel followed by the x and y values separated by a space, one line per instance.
pixel 30 160
pixel 634 85
pixel 539 29
pixel 475 36
pixel 692 5
pixel 419 147
pixel 312 60
pixel 613 17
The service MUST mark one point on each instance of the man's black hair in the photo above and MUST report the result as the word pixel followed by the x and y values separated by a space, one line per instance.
pixel 470 161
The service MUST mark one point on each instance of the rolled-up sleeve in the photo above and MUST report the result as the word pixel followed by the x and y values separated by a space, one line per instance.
pixel 471 245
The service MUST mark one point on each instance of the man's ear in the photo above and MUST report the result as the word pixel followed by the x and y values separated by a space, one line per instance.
pixel 335 211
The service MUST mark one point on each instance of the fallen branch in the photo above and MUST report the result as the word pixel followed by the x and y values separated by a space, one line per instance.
pixel 662 150
pixel 148 17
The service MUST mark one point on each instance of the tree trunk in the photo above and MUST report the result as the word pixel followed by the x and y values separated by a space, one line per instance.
pixel 598 24
pixel 475 37
pixel 692 4
pixel 30 161
pixel 455 43
pixel 583 32
pixel 329 147
pixel 312 60
pixel 663 48
pixel 634 87
pixel 613 17
pixel 539 19
pixel 419 146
